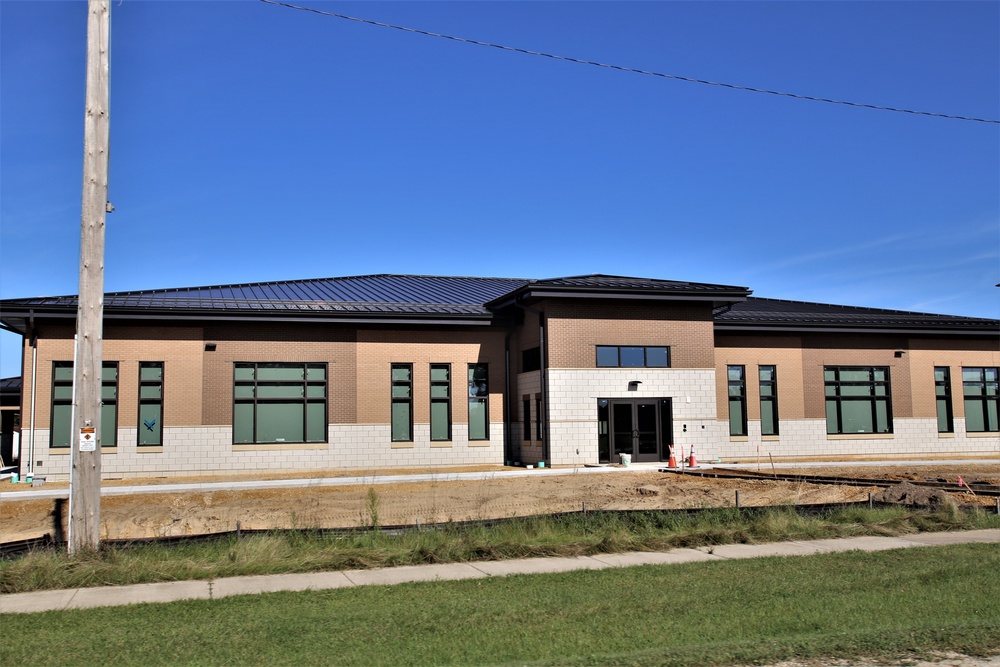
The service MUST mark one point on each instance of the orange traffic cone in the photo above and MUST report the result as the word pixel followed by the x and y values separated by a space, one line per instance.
pixel 692 461
pixel 672 463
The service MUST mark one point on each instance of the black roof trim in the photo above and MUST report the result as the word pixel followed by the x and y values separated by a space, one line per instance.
pixel 621 287
pixel 760 314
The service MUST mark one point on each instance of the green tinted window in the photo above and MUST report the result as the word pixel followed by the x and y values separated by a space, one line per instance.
pixel 279 402
pixel 981 390
pixel 401 426
pixel 858 400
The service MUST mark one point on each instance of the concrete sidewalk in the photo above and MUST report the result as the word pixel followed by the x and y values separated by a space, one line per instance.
pixel 83 598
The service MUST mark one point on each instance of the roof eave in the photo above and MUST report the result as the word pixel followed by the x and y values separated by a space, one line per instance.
pixel 535 293
pixel 463 319
pixel 866 329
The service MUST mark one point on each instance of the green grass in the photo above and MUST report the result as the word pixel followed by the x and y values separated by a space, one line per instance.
pixel 569 535
pixel 899 603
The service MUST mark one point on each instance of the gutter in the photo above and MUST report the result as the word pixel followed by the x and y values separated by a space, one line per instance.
pixel 942 331
pixel 34 393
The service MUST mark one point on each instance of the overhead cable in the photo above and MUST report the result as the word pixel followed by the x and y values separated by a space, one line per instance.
pixel 628 69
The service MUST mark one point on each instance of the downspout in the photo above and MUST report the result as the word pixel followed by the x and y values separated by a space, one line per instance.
pixel 34 393
pixel 508 447
pixel 543 373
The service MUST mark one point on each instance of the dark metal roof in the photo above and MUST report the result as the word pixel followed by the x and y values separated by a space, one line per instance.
pixel 10 385
pixel 459 300
pixel 621 287
pixel 758 314
pixel 391 296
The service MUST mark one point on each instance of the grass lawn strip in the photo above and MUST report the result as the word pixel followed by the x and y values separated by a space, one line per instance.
pixel 905 602
pixel 570 535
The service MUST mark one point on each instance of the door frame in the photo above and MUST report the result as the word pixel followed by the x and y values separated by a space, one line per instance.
pixel 663 428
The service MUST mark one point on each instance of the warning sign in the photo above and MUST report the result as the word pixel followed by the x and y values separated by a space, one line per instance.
pixel 88 439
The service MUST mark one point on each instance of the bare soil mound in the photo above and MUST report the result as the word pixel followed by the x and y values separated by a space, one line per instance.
pixel 410 503
pixel 906 493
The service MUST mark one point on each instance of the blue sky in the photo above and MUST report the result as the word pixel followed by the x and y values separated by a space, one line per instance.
pixel 251 142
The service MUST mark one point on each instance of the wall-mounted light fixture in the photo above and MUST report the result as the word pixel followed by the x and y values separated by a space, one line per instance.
pixel 634 384
pixel 210 347
pixel 898 354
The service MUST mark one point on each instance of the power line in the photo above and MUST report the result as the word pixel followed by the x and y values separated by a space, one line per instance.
pixel 628 69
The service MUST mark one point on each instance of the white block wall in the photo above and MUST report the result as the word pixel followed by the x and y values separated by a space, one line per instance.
pixel 911 438
pixel 573 395
pixel 210 451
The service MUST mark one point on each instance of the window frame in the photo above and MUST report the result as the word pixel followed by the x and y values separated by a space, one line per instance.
pixel 446 399
pixel 987 398
pixel 400 400
pixel 769 402
pixel 943 400
pixel 618 356
pixel 531 359
pixel 739 398
pixel 479 396
pixel 526 418
pixel 61 402
pixel 539 431
pixel 839 399
pixel 255 400
pixel 140 422
pixel 108 436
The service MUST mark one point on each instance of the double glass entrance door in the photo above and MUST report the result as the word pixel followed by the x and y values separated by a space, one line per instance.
pixel 639 427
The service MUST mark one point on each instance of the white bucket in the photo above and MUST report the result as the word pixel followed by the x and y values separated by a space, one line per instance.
pixel 626 459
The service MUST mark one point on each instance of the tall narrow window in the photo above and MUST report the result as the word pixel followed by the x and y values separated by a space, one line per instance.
pixel 402 402
pixel 531 359
pixel 526 420
pixel 942 391
pixel 603 431
pixel 150 403
pixel 737 400
pixel 60 431
pixel 858 399
pixel 440 401
pixel 979 388
pixel 109 404
pixel 479 397
pixel 62 404
pixel 279 403
pixel 768 400
pixel 539 431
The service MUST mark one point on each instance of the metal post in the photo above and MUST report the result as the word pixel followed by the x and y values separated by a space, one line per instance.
pixel 85 476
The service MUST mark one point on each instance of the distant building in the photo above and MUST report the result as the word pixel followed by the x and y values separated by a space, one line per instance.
pixel 389 371
pixel 10 421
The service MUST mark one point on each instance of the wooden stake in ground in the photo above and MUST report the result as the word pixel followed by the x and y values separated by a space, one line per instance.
pixel 85 476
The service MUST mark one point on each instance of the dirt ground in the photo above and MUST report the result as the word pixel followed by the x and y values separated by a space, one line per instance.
pixel 166 514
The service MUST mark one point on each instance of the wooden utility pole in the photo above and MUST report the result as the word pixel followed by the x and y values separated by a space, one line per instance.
pixel 85 476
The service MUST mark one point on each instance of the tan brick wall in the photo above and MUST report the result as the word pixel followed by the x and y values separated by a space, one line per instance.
pixel 524 337
pixel 783 352
pixel 261 342
pixel 800 362
pixel 923 355
pixel 378 349
pixel 576 328
pixel 855 350
pixel 179 348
